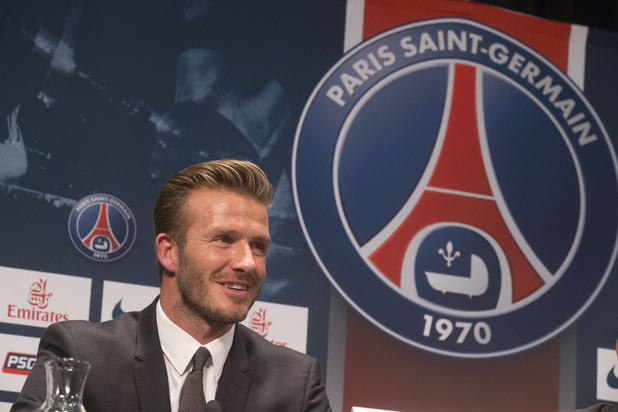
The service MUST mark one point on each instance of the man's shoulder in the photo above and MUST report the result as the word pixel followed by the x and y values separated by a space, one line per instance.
pixel 600 407
pixel 82 330
pixel 123 323
pixel 255 344
pixel 281 378
pixel 128 319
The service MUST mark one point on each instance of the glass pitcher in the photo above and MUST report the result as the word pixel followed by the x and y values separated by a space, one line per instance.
pixel 65 385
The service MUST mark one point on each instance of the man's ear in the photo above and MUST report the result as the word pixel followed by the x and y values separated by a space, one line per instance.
pixel 167 252
pixel 617 347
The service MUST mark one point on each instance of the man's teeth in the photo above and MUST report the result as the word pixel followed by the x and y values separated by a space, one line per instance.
pixel 235 286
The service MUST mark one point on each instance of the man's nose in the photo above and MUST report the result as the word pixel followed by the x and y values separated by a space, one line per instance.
pixel 243 258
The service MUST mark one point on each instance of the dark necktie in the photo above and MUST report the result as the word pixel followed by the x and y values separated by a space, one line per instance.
pixel 192 392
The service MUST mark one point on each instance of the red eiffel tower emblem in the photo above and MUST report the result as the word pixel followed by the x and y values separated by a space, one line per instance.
pixel 459 190
pixel 101 228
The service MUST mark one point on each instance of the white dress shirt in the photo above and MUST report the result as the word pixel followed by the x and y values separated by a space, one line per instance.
pixel 178 349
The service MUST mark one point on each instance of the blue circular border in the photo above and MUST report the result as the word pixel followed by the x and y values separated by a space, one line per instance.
pixel 312 175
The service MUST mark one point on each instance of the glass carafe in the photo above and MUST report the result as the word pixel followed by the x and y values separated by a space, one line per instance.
pixel 65 385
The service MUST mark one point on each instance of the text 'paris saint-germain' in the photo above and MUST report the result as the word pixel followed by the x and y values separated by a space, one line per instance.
pixel 521 65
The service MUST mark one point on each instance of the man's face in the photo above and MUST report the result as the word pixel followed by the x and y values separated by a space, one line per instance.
pixel 222 264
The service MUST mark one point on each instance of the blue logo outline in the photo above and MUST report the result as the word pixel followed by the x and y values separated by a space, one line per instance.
pixel 316 142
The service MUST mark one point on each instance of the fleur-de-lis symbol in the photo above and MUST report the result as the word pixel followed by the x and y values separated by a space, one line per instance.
pixel 449 256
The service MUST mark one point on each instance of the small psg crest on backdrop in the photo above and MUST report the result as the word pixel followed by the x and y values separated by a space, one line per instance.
pixel 102 227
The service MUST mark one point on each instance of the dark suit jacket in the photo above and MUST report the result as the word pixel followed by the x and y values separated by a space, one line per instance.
pixel 128 370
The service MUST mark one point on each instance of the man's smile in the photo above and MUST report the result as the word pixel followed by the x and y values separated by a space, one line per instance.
pixel 235 286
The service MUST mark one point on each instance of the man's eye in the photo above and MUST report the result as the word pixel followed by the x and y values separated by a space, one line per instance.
pixel 259 246
pixel 223 239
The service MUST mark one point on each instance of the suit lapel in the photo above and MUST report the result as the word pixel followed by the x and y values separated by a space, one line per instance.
pixel 151 375
pixel 235 380
pixel 149 370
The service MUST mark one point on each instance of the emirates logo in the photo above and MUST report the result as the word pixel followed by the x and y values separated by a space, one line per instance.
pixel 38 295
pixel 258 322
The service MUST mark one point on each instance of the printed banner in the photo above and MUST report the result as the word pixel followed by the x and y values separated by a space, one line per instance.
pixel 447 167
pixel 38 299
pixel 497 229
pixel 103 101
pixel 18 354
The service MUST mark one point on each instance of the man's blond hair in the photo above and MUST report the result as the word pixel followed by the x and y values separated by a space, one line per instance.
pixel 236 176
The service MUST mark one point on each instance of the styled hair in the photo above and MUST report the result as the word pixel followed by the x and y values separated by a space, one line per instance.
pixel 169 214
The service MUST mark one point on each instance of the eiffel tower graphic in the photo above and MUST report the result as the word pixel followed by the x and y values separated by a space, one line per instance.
pixel 459 188
pixel 101 238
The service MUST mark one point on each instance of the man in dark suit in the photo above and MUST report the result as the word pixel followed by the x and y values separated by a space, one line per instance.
pixel 211 242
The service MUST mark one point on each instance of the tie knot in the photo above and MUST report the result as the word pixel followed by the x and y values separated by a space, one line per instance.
pixel 200 358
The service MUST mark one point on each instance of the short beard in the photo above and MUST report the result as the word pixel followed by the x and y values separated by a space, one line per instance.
pixel 191 287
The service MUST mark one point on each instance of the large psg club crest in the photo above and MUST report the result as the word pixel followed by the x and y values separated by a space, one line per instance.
pixel 457 189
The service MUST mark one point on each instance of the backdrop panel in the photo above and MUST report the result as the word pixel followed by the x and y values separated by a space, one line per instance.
pixel 101 102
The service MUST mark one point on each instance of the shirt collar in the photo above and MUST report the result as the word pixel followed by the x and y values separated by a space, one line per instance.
pixel 179 347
